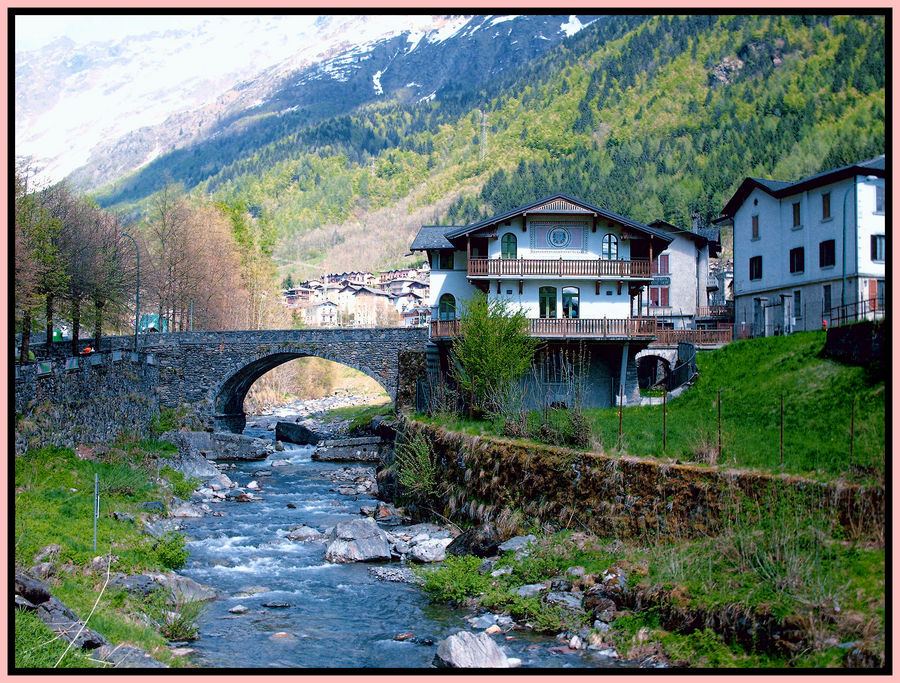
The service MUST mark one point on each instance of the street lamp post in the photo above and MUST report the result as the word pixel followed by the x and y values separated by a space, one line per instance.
pixel 137 290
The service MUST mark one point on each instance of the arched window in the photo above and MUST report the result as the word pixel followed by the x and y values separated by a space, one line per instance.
pixel 610 248
pixel 508 246
pixel 570 302
pixel 447 307
pixel 547 302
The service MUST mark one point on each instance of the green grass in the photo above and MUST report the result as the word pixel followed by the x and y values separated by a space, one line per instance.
pixel 752 376
pixel 54 492
pixel 37 647
pixel 361 415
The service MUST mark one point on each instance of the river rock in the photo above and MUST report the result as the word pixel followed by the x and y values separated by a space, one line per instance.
pixel 530 590
pixel 571 602
pixel 615 585
pixel 152 505
pixel 187 510
pixel 296 433
pixel 254 485
pixel 362 449
pixel 238 609
pixel 42 570
pixel 358 540
pixel 182 588
pixel 63 622
pixel 303 533
pixel 31 588
pixel 480 541
pixel 466 650
pixel 276 604
pixel 221 445
pixel 562 585
pixel 127 657
pixel 396 575
pixel 431 550
pixel 140 584
pixel 517 544
pixel 162 527
pixel 281 462
pixel 189 460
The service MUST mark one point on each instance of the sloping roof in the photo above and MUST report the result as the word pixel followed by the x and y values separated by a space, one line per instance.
pixel 784 188
pixel 585 207
pixel 432 237
pixel 700 239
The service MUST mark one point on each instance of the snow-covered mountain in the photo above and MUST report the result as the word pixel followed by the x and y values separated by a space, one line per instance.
pixel 101 110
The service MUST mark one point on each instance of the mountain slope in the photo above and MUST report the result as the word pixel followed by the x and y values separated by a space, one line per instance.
pixel 413 61
pixel 654 117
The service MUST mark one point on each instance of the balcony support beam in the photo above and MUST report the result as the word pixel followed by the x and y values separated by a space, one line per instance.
pixel 622 372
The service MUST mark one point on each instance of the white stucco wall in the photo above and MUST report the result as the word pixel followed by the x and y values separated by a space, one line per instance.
pixel 591 250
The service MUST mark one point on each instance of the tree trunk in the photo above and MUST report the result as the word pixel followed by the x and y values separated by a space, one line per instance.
pixel 76 324
pixel 98 323
pixel 49 324
pixel 26 335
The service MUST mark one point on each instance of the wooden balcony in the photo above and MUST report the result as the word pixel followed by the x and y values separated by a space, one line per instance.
pixel 726 311
pixel 699 337
pixel 569 328
pixel 579 268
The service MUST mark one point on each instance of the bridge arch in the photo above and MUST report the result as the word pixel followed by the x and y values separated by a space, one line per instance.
pixel 653 368
pixel 228 396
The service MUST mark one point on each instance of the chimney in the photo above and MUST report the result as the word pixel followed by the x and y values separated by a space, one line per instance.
pixel 695 222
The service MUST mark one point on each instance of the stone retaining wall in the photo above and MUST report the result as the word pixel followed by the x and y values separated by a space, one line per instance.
pixel 624 497
pixel 87 399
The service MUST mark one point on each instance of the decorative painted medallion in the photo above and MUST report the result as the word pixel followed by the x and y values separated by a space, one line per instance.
pixel 559 237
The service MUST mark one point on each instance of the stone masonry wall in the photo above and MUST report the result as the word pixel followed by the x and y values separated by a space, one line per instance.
pixel 107 394
pixel 496 480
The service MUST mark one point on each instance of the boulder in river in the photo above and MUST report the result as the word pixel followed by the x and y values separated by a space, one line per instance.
pixel 432 550
pixel 296 433
pixel 480 541
pixel 357 540
pixel 466 650
pixel 220 446
pixel 361 449
pixel 304 533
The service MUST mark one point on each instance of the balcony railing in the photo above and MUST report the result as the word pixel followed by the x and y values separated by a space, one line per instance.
pixel 594 268
pixel 725 311
pixel 564 328
pixel 699 337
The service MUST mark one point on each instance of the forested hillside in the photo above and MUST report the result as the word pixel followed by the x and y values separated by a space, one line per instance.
pixel 653 117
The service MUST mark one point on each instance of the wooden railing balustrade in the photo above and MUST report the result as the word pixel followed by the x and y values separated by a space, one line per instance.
pixel 723 335
pixel 499 267
pixel 598 328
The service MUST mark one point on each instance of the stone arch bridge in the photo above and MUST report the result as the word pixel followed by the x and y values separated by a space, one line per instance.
pixel 213 371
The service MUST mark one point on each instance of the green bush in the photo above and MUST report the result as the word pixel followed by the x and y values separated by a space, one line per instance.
pixel 168 419
pixel 455 580
pixel 417 472
pixel 176 621
pixel 170 551
pixel 182 486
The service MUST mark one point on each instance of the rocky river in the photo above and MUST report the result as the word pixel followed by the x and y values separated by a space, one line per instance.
pixel 281 603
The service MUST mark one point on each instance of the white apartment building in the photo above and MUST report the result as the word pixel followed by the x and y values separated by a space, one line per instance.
pixel 809 250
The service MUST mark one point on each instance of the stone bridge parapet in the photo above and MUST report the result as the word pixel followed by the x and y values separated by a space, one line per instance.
pixel 212 371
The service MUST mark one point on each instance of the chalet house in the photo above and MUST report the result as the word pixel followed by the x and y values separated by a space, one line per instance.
pixel 578 271
pixel 323 314
pixel 679 293
pixel 809 250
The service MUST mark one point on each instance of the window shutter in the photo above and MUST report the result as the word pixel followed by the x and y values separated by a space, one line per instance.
pixel 663 296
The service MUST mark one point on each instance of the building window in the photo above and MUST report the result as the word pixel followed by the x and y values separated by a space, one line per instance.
pixel 547 302
pixel 660 265
pixel 878 247
pixel 796 210
pixel 508 246
pixel 446 260
pixel 879 199
pixel 570 302
pixel 659 296
pixel 796 260
pixel 826 206
pixel 754 228
pixel 798 306
pixel 447 307
pixel 756 268
pixel 826 301
pixel 610 248
pixel 826 253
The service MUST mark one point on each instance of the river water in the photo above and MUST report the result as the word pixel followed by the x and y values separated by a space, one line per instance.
pixel 339 615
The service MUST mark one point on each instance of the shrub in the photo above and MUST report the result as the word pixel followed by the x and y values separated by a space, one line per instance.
pixel 170 551
pixel 417 472
pixel 493 350
pixel 182 486
pixel 455 580
pixel 176 621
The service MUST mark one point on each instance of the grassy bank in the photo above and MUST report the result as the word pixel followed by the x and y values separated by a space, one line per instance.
pixel 751 377
pixel 359 416
pixel 54 505
pixel 708 602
